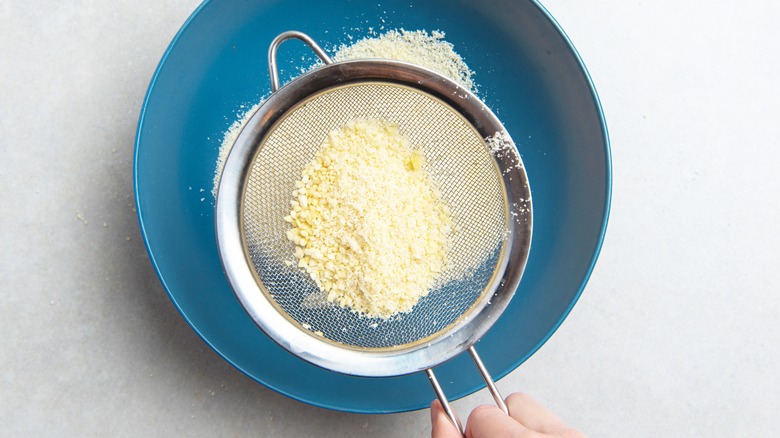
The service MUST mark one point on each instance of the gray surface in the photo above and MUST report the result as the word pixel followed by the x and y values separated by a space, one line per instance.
pixel 676 335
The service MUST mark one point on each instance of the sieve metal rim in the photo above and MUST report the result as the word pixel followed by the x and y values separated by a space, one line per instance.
pixel 236 263
pixel 478 303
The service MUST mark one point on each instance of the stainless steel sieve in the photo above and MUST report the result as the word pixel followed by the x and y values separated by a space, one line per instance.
pixel 484 186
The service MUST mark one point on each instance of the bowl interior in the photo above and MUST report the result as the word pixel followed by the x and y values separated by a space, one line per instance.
pixel 527 72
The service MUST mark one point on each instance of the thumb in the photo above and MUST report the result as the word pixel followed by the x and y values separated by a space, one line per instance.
pixel 441 425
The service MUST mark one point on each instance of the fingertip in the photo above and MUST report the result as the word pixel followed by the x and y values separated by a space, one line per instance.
pixel 530 413
pixel 482 411
pixel 490 421
pixel 441 425
pixel 520 397
pixel 435 408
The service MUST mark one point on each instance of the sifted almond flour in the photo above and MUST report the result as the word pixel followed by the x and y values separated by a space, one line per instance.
pixel 419 47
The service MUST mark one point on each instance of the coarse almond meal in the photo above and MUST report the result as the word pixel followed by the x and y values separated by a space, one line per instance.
pixel 368 223
pixel 419 47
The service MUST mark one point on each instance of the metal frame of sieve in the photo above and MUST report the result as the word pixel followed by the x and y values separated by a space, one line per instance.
pixel 284 329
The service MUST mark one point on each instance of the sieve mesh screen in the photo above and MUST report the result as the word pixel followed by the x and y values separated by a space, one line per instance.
pixel 458 162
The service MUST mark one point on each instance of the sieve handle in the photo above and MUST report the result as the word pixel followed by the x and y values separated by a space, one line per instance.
pixel 443 399
pixel 491 385
pixel 284 36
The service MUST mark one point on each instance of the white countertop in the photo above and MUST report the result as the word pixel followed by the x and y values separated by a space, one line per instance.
pixel 676 334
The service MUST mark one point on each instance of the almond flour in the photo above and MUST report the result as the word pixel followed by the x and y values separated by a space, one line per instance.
pixel 368 223
pixel 419 47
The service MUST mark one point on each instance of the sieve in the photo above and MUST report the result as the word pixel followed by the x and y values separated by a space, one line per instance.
pixel 470 158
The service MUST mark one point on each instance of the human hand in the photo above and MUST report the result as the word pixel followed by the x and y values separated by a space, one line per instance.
pixel 527 419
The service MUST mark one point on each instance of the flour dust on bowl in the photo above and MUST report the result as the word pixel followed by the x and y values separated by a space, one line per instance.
pixel 472 162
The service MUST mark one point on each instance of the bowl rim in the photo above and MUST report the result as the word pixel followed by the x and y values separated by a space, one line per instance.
pixel 607 195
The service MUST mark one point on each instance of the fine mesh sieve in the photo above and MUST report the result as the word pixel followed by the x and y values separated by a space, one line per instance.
pixel 482 183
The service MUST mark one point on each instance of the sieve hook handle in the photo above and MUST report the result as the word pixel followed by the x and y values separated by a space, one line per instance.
pixel 491 385
pixel 284 36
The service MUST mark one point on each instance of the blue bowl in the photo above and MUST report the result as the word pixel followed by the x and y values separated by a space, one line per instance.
pixel 529 74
